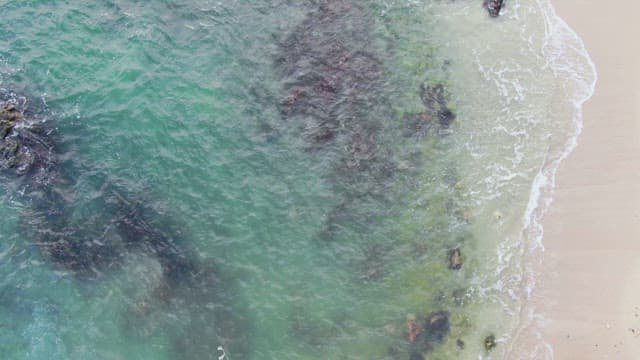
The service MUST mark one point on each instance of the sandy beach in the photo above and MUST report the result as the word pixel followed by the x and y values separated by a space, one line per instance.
pixel 589 291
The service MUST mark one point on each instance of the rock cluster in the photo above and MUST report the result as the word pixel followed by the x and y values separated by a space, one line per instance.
pixel 424 334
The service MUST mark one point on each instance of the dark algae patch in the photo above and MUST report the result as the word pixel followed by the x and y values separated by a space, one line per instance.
pixel 124 231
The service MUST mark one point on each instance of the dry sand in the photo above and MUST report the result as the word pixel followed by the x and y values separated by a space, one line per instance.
pixel 589 291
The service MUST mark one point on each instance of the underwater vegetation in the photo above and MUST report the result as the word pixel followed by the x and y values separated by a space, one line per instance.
pixel 336 99
pixel 334 83
pixel 123 232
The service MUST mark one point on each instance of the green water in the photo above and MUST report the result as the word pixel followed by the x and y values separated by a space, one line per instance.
pixel 177 107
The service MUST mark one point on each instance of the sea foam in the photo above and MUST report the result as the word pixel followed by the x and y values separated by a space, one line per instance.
pixel 569 59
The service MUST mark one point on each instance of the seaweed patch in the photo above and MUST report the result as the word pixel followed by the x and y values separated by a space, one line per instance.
pixel 123 231
pixel 332 83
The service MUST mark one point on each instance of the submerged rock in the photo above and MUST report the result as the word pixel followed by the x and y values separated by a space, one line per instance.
pixel 413 328
pixel 494 7
pixel 12 154
pixel 490 342
pixel 435 101
pixel 25 148
pixel 9 117
pixel 436 327
pixel 455 259
pixel 9 153
pixel 425 334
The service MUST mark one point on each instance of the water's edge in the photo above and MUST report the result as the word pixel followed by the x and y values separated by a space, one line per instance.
pixel 563 43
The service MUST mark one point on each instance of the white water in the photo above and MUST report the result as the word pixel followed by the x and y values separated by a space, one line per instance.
pixel 562 45
pixel 520 82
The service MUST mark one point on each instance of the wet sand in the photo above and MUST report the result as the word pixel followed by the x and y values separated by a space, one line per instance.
pixel 589 290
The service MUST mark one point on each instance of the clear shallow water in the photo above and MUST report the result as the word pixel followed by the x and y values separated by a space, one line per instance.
pixel 312 249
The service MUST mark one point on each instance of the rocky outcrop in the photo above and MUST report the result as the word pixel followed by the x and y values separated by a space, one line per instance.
pixel 24 148
pixel 9 117
pixel 494 7
pixel 455 259
pixel 490 342
pixel 425 334
pixel 436 327
pixel 437 113
pixel 435 101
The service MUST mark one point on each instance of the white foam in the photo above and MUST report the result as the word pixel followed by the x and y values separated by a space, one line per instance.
pixel 568 58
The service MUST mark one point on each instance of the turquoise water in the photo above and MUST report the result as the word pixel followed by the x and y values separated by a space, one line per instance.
pixel 281 150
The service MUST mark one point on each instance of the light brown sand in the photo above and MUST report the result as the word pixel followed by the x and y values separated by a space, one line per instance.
pixel 590 289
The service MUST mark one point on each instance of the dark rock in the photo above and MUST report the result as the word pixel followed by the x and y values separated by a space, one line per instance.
pixel 9 153
pixel 24 149
pixel 490 342
pixel 5 128
pixel 413 328
pixel 445 118
pixel 460 344
pixel 436 327
pixel 435 101
pixel 494 7
pixel 455 259
pixel 9 117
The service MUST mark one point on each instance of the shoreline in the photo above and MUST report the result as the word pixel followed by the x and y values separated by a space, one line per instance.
pixel 586 301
